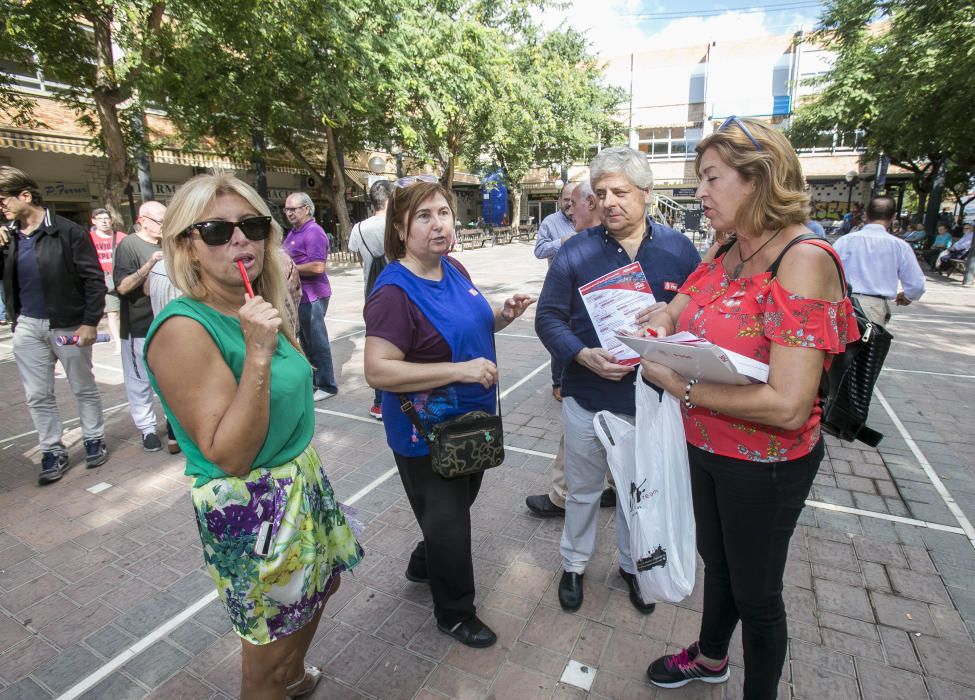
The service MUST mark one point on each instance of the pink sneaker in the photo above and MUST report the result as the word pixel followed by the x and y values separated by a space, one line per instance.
pixel 676 670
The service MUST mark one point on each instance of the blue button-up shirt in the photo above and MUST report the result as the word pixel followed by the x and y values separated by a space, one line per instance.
pixel 875 260
pixel 563 324
pixel 550 234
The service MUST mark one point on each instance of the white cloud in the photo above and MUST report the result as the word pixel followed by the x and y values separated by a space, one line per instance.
pixel 614 29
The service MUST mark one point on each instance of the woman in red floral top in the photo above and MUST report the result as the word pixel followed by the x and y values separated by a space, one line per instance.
pixel 754 450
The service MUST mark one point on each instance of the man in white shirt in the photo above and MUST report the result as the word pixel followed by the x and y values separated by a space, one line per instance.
pixel 874 260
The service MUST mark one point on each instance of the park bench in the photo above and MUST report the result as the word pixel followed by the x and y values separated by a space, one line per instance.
pixel 525 232
pixel 952 266
pixel 473 238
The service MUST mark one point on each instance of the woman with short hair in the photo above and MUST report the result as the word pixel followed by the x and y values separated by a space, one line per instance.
pixel 430 336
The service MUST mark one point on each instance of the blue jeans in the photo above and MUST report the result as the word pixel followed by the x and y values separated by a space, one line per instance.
pixel 314 341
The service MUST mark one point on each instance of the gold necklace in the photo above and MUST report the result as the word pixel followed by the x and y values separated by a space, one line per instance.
pixel 742 261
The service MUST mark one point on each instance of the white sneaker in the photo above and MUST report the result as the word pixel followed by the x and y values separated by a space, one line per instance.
pixel 321 395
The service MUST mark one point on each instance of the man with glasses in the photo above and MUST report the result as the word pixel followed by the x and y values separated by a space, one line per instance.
pixel 53 285
pixel 307 245
pixel 135 257
pixel 106 240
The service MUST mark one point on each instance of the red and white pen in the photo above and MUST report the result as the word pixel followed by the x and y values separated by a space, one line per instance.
pixel 247 280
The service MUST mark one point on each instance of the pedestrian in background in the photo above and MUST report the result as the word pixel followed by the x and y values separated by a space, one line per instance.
pixel 45 297
pixel 307 245
pixel 134 259
pixel 106 240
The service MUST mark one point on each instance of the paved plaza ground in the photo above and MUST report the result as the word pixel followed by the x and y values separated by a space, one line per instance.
pixel 102 592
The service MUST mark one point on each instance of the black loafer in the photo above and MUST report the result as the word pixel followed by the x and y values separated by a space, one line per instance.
pixel 631 582
pixel 543 507
pixel 472 633
pixel 570 591
pixel 608 499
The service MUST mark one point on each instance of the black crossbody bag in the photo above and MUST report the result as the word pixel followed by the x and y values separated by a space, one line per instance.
pixel 463 445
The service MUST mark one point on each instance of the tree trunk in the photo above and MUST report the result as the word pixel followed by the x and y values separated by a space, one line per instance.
pixel 106 98
pixel 514 193
pixel 338 204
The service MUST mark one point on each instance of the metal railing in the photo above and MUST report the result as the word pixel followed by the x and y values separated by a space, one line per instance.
pixel 667 211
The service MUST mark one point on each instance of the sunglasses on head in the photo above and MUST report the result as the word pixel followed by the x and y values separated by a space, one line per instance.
pixel 741 125
pixel 256 228
pixel 413 179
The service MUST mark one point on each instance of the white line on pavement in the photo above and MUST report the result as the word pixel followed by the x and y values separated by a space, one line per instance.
pixel 141 645
pixel 348 335
pixel 939 486
pixel 936 374
pixel 70 420
pixel 886 516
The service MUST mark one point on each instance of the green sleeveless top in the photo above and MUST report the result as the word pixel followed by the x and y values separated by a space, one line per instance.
pixel 292 418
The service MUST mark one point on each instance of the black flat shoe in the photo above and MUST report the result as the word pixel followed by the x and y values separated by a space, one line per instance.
pixel 543 507
pixel 570 591
pixel 416 578
pixel 631 582
pixel 472 633
pixel 608 499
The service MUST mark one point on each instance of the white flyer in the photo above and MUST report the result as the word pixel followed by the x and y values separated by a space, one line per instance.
pixel 613 302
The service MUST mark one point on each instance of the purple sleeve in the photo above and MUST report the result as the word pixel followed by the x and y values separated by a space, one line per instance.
pixel 388 316
pixel 316 246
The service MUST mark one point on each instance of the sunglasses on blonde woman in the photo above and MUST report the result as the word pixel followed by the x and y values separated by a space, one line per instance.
pixel 214 233
pixel 741 125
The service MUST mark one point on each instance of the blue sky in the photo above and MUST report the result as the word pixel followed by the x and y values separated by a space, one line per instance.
pixel 621 26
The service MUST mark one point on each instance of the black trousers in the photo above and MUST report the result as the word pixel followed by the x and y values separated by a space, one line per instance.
pixel 746 513
pixel 443 510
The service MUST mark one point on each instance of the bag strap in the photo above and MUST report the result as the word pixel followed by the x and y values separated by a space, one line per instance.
pixel 774 267
pixel 364 244
pixel 406 406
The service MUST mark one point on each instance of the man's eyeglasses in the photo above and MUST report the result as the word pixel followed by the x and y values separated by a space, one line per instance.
pixel 155 221
pixel 413 179
pixel 741 125
pixel 214 233
pixel 292 210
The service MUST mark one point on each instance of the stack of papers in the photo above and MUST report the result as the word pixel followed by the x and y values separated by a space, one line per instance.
pixel 697 358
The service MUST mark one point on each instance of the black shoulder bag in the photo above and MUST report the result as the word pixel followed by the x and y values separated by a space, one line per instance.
pixel 463 445
pixel 846 387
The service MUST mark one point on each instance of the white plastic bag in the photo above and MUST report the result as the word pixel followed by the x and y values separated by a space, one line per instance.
pixel 650 468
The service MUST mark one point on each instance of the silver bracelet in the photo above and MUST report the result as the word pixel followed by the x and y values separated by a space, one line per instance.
pixel 687 395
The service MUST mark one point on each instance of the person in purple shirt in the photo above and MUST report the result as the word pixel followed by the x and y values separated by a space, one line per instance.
pixel 307 245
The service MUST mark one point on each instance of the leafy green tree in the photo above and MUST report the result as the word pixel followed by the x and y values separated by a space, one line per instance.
pixel 99 49
pixel 906 81
pixel 319 80
pixel 549 111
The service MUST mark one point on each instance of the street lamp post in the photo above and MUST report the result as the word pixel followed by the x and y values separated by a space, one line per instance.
pixel 851 178
pixel 398 152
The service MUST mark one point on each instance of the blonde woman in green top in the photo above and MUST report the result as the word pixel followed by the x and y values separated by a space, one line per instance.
pixel 239 396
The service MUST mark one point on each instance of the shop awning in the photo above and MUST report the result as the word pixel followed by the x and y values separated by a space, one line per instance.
pixel 46 142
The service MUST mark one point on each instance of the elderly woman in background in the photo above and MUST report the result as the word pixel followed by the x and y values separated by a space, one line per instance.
pixel 430 335
pixel 754 450
pixel 238 394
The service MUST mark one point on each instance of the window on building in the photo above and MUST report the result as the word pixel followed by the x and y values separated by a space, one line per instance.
pixel 781 86
pixel 670 142
pixel 836 141
pixel 695 92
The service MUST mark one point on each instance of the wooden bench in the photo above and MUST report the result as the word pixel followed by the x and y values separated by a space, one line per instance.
pixel 473 238
pixel 952 266
pixel 525 232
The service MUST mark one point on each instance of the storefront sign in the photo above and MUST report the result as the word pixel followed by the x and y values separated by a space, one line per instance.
pixel 65 191
pixel 685 191
pixel 164 190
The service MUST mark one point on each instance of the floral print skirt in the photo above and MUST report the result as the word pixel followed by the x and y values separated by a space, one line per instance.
pixel 291 512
